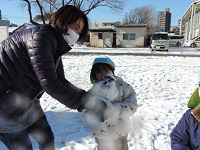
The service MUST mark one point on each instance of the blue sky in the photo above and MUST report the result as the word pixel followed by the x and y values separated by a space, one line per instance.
pixel 11 10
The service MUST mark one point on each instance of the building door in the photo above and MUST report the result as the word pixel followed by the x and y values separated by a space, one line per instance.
pixel 114 40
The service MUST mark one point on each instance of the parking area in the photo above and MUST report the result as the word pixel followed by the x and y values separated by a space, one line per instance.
pixel 173 51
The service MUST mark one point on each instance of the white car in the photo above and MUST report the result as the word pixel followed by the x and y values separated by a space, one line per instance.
pixel 194 42
pixel 159 41
pixel 176 40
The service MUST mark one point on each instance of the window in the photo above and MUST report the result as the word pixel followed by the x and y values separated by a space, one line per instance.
pixel 176 37
pixel 160 36
pixel 131 36
pixel 128 36
pixel 100 36
pixel 125 36
pixel 198 39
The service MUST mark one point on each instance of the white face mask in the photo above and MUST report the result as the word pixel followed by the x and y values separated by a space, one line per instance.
pixel 71 37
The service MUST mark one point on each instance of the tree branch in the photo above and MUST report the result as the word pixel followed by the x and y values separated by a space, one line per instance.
pixel 30 12
pixel 41 11
pixel 46 7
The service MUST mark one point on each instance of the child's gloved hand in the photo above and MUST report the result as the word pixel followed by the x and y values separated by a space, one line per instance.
pixel 93 107
pixel 96 115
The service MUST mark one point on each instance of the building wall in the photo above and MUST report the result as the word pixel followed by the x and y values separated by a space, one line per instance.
pixel 3 33
pixel 164 20
pixel 96 25
pixel 4 23
pixel 94 39
pixel 106 41
pixel 174 29
pixel 140 33
pixel 192 21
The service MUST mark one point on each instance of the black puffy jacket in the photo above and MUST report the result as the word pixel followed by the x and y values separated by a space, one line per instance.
pixel 30 61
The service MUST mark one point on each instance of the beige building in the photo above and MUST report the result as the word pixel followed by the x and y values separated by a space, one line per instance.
pixel 3 33
pixel 102 34
pixel 191 19
pixel 130 35
pixel 102 37
pixel 4 25
pixel 117 35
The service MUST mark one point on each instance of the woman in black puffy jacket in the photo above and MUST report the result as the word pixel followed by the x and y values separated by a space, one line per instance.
pixel 30 64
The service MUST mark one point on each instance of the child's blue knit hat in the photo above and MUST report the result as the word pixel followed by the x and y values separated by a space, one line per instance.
pixel 104 60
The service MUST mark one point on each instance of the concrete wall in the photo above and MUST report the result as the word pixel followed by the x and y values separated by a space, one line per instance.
pixel 140 33
pixel 4 23
pixel 106 41
pixel 191 18
pixel 93 39
pixel 3 33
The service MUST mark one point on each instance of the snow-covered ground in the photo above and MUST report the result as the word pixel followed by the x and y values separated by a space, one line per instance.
pixel 163 85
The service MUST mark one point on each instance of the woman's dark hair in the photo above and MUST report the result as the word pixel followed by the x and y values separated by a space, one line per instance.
pixel 97 67
pixel 66 15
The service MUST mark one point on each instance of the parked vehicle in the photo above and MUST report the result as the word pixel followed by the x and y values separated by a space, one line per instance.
pixel 176 40
pixel 159 41
pixel 194 42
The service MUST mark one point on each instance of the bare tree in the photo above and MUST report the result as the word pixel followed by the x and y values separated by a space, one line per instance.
pixel 142 15
pixel 45 8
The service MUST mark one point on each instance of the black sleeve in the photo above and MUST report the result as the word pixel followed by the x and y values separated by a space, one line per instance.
pixel 40 50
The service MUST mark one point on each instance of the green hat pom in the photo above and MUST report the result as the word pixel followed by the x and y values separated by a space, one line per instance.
pixel 194 99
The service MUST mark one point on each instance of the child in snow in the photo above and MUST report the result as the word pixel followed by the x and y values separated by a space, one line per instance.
pixel 186 134
pixel 112 127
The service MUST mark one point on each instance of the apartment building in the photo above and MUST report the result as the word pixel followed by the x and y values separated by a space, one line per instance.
pixel 164 20
pixel 191 21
